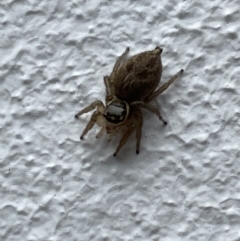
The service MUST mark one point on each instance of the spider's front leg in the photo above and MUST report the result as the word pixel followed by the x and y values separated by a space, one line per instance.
pixel 96 104
pixel 94 118
pixel 90 124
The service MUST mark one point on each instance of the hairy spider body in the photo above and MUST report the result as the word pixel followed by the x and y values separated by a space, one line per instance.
pixel 138 77
pixel 130 87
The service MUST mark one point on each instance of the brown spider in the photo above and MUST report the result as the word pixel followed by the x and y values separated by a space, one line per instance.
pixel 130 87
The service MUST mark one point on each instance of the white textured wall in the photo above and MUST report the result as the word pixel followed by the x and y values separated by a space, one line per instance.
pixel 184 184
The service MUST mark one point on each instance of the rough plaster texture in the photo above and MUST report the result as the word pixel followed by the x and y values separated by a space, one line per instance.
pixel 184 185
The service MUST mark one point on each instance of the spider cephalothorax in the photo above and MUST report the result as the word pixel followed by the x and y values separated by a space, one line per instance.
pixel 116 111
pixel 130 87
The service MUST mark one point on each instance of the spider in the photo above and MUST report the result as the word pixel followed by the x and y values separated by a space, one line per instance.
pixel 130 87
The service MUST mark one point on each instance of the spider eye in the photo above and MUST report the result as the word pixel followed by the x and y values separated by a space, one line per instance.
pixel 116 112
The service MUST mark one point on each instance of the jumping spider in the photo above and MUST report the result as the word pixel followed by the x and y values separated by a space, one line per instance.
pixel 130 87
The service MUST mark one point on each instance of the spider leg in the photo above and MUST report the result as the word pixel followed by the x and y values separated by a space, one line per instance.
pixel 165 86
pixel 124 139
pixel 90 124
pixel 151 108
pixel 138 121
pixel 109 88
pixel 118 62
pixel 101 132
pixel 108 79
pixel 111 136
pixel 92 106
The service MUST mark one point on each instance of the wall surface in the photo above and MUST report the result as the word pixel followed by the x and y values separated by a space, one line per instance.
pixel 184 185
